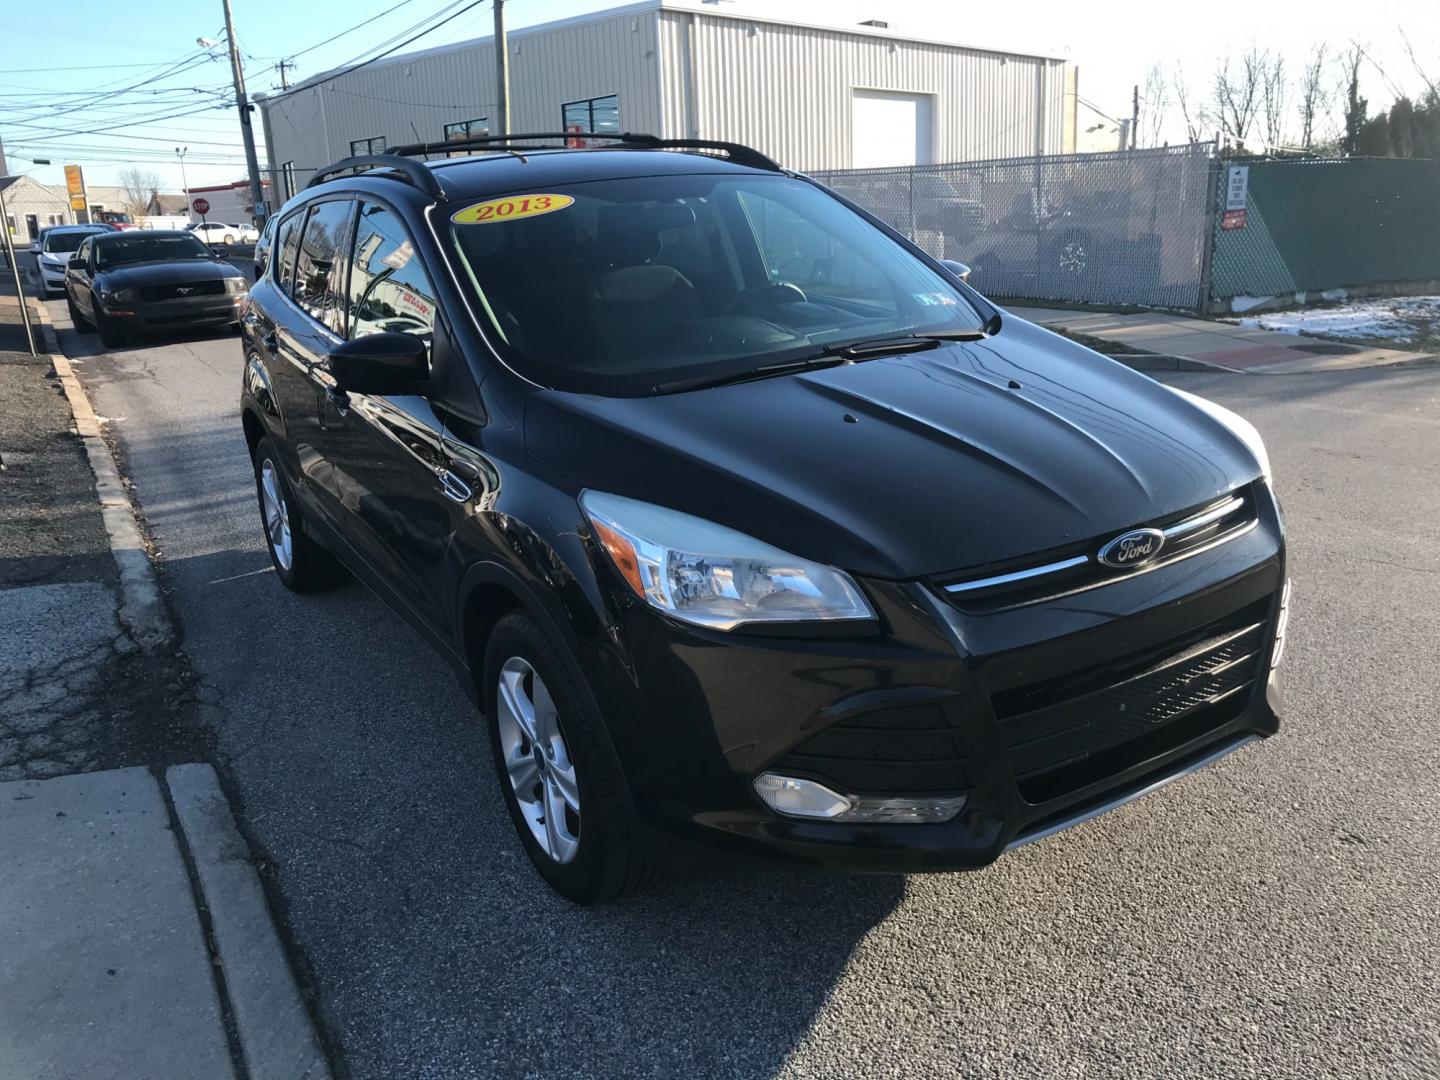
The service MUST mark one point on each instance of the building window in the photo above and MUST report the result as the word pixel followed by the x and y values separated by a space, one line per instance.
pixel 465 128
pixel 367 146
pixel 10 223
pixel 287 175
pixel 600 114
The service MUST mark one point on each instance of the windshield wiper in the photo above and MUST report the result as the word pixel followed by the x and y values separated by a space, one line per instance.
pixel 848 352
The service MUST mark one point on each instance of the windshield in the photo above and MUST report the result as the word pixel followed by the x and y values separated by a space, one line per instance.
pixel 121 248
pixel 618 286
pixel 65 241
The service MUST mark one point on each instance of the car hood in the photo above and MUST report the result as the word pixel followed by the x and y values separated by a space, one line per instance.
pixel 164 273
pixel 910 465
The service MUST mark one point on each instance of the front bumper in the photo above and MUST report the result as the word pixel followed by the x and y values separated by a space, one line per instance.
pixel 175 314
pixel 935 701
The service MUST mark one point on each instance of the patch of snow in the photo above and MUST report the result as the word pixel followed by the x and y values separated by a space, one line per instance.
pixel 1400 318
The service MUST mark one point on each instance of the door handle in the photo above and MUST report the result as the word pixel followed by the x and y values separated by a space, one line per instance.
pixel 270 341
pixel 455 489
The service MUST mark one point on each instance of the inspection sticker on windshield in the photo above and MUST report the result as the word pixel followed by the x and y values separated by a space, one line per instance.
pixel 510 208
pixel 934 299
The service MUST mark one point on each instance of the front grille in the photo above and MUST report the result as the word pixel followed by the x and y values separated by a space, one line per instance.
pixel 1063 571
pixel 182 290
pixel 904 750
pixel 1068 732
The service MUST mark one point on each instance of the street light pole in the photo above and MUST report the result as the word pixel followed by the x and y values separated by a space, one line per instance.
pixel 502 71
pixel 180 152
pixel 247 131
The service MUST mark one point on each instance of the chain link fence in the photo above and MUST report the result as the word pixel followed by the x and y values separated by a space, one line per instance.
pixel 1313 226
pixel 1119 229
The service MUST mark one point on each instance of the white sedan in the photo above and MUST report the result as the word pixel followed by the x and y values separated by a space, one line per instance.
pixel 216 233
pixel 52 250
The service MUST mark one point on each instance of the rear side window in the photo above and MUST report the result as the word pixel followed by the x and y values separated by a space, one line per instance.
pixel 389 289
pixel 287 244
pixel 320 269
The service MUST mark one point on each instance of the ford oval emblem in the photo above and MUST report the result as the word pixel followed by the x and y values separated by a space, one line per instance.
pixel 1134 548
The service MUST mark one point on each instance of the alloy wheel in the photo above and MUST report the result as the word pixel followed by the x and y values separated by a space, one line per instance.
pixel 276 514
pixel 537 760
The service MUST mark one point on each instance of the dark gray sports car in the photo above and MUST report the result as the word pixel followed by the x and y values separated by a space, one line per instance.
pixel 135 280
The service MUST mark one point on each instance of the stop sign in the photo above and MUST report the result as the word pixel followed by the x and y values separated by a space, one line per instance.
pixel 201 205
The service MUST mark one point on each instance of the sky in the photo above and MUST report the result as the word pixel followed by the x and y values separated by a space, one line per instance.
pixel 74 91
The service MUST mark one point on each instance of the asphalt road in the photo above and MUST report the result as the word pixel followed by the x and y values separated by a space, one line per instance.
pixel 1273 916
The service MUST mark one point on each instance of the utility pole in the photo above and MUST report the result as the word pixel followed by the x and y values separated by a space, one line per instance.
pixel 502 71
pixel 284 83
pixel 247 132
pixel 180 152
pixel 1135 117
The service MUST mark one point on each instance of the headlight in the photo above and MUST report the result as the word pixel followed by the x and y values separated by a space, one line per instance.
pixel 234 285
pixel 118 296
pixel 1238 425
pixel 712 576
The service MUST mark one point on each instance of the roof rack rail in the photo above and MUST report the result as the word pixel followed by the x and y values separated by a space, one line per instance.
pixel 736 152
pixel 412 171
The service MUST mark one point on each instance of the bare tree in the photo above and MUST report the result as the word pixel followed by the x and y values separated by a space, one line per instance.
pixel 1314 100
pixel 1355 105
pixel 140 186
pixel 1197 120
pixel 1238 92
pixel 1154 102
pixel 1431 81
pixel 1274 97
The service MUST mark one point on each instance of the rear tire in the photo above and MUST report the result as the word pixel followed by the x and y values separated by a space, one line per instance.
pixel 81 323
pixel 301 564
pixel 598 860
pixel 229 240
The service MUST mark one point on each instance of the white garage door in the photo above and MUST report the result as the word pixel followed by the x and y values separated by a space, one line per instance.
pixel 889 128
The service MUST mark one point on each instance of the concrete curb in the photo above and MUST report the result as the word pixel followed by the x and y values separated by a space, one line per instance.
pixel 142 610
pixel 1162 362
pixel 275 1034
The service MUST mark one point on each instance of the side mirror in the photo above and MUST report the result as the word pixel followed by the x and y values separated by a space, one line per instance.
pixel 959 269
pixel 34 249
pixel 386 363
pixel 75 262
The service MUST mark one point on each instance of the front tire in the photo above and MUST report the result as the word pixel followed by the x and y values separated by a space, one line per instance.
pixel 301 564
pixel 111 335
pixel 81 323
pixel 557 780
pixel 229 240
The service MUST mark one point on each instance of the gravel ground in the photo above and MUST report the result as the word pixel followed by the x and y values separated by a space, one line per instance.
pixel 74 692
pixel 1273 916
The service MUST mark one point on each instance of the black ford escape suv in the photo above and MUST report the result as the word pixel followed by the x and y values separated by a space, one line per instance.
pixel 743 519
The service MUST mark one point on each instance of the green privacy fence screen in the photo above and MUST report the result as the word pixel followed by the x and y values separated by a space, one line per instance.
pixel 1312 226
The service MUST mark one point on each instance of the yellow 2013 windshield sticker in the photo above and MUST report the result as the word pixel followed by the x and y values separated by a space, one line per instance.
pixel 510 208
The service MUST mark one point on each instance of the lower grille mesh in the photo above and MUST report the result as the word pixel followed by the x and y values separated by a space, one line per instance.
pixel 1198 678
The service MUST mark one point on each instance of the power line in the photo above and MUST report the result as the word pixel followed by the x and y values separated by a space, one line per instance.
pixel 357 26
pixel 349 66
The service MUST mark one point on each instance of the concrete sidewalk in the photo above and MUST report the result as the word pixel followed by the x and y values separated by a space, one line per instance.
pixel 1174 339
pixel 137 943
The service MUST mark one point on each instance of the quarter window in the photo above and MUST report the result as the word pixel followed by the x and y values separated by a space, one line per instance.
pixel 600 114
pixel 320 268
pixel 368 146
pixel 287 243
pixel 389 289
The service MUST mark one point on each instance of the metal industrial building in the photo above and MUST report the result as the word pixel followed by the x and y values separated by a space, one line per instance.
pixel 814 97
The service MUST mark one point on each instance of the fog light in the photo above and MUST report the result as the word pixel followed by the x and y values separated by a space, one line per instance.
pixel 1280 624
pixel 797 797
pixel 800 798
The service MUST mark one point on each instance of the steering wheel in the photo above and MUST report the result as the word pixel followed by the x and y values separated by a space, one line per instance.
pixel 770 295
